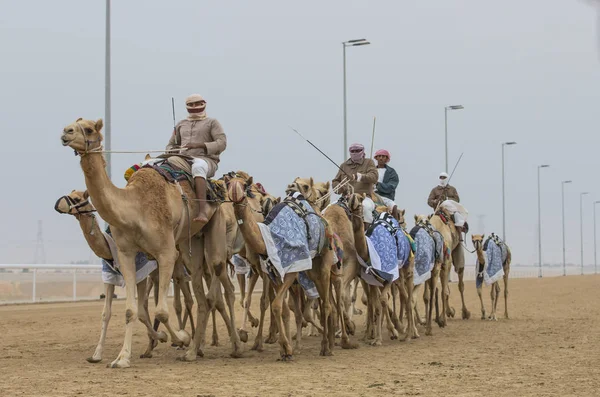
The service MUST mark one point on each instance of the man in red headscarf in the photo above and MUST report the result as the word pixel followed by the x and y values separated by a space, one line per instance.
pixel 360 170
pixel 388 178
pixel 203 139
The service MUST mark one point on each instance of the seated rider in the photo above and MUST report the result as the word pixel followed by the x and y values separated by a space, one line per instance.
pixel 360 170
pixel 203 139
pixel 445 196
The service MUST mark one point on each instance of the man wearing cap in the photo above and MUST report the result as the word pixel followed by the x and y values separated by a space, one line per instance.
pixel 360 170
pixel 388 178
pixel 203 139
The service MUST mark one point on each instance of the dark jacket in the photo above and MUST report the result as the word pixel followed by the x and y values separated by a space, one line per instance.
pixel 387 188
pixel 439 194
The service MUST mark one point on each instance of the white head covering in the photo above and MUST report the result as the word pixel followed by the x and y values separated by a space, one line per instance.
pixel 195 113
pixel 443 182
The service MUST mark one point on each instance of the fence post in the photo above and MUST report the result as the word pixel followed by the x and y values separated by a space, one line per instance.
pixel 74 284
pixel 34 280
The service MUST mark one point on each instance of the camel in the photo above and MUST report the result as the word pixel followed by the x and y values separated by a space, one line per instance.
pixel 478 243
pixel 77 204
pixel 442 221
pixel 151 216
pixel 319 273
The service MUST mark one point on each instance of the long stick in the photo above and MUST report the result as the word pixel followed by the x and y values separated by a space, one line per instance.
pixel 173 106
pixel 320 151
pixel 373 137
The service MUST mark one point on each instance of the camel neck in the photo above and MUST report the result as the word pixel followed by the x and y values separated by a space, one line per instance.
pixel 249 228
pixel 360 240
pixel 105 196
pixel 94 237
pixel 480 256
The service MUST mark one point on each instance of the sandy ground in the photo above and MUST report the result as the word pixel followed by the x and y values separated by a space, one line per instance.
pixel 550 346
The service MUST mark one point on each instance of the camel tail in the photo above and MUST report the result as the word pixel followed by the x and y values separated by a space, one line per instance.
pixel 508 256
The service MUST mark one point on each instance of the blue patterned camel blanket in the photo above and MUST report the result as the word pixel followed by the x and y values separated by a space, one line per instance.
pixel 308 286
pixel 240 264
pixel 429 247
pixel 110 268
pixel 496 254
pixel 293 234
pixel 389 250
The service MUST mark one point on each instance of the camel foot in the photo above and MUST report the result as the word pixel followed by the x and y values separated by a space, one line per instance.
pixel 93 359
pixel 451 312
pixel 506 316
pixel 350 327
pixel 286 358
pixel 421 322
pixel 394 334
pixel 258 346
pixel 483 316
pixel 162 338
pixel 441 322
pixel 215 342
pixel 189 356
pixel 243 335
pixel 493 318
pixel 376 342
pixel 119 363
pixel 199 352
pixel 428 331
pixel 237 350
pixel 357 312
pixel 146 354
pixel 271 339
pixel 415 334
pixel 254 322
pixel 325 353
pixel 346 344
pixel 466 314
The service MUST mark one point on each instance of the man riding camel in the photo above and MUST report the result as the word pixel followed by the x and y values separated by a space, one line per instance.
pixel 361 170
pixel 445 196
pixel 203 139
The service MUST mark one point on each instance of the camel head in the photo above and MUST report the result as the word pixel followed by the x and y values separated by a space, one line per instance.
pixel 322 189
pixel 477 240
pixel 400 218
pixel 306 187
pixel 83 135
pixel 238 188
pixel 420 219
pixel 267 202
pixel 76 203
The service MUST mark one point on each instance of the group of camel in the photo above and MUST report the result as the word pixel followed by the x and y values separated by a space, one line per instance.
pixel 153 216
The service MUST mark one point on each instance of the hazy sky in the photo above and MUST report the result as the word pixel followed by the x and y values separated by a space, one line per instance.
pixel 524 70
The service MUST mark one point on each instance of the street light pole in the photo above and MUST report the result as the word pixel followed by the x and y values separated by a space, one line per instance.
pixel 540 220
pixel 581 225
pixel 349 43
pixel 107 118
pixel 503 197
pixel 563 227
pixel 452 107
pixel 595 255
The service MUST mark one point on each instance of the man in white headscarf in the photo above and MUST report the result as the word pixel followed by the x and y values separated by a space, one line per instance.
pixel 203 139
pixel 445 196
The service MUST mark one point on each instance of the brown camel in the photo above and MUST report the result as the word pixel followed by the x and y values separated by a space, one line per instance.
pixel 443 222
pixel 149 215
pixel 319 274
pixel 478 240
pixel 77 203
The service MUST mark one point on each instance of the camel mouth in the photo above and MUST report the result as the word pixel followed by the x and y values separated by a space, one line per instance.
pixel 64 141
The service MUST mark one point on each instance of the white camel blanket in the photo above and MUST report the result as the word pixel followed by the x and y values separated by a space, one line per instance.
pixel 291 241
pixel 496 254
pixel 110 269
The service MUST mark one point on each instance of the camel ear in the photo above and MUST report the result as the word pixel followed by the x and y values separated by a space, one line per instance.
pixel 79 119
pixel 416 218
pixel 250 181
pixel 327 185
pixel 277 200
pixel 403 212
pixel 312 182
pixel 147 157
pixel 86 195
pixel 99 125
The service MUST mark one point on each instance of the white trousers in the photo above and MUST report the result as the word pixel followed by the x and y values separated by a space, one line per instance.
pixel 200 168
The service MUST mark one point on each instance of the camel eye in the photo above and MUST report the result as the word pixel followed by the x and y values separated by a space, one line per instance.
pixel 88 131
pixel 77 199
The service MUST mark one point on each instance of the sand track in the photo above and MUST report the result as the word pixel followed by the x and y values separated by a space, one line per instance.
pixel 550 346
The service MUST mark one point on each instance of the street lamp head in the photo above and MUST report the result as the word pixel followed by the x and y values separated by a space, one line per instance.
pixel 567 181
pixel 596 202
pixel 544 166
pixel 354 41
pixel 509 143
pixel 584 193
pixel 455 107
pixel 361 43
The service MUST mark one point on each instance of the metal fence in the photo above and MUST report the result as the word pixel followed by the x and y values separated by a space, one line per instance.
pixel 24 283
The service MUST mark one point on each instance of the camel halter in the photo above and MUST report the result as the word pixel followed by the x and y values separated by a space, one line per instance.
pixel 74 206
pixel 87 143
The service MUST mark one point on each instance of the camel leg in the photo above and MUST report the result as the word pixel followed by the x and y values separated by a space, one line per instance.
pixel 144 317
pixel 506 293
pixel 251 285
pixel 264 305
pixel 385 311
pixel 458 259
pixel 177 303
pixel 273 329
pixel 241 278
pixel 285 348
pixel 445 292
pixel 109 290
pixel 408 271
pixel 294 301
pixel 481 301
pixel 337 282
pixel 430 290
pixel 495 294
pixel 189 305
pixel 395 316
pixel 321 276
pixel 375 296
pixel 127 260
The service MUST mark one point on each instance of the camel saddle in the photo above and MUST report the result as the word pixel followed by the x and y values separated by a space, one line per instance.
pixel 177 168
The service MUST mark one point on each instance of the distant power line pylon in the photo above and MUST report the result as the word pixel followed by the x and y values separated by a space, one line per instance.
pixel 40 252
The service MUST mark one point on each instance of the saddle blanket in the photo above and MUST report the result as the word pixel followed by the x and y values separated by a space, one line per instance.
pixel 389 249
pixel 493 269
pixel 110 269
pixel 308 286
pixel 240 264
pixel 292 241
pixel 426 252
